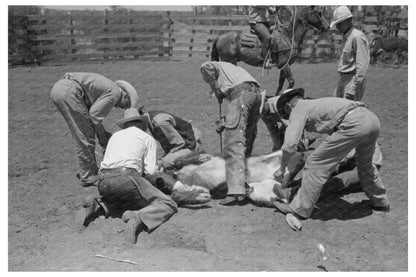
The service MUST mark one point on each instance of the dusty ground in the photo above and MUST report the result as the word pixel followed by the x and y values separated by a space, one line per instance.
pixel 43 193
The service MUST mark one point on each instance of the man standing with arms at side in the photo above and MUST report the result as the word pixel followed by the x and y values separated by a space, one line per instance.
pixel 355 57
pixel 243 112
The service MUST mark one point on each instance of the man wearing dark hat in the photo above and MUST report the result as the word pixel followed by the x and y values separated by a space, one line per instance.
pixel 178 137
pixel 84 99
pixel 349 124
pixel 243 112
pixel 130 155
pixel 355 56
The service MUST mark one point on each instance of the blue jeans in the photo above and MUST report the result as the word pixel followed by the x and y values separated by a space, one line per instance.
pixel 125 189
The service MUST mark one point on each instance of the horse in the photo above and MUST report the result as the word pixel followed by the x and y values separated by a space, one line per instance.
pixel 286 42
pixel 379 45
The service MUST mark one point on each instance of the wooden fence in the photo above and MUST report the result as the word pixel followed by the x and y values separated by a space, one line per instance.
pixel 96 35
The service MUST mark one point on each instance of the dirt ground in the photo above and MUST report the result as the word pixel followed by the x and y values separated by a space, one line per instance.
pixel 43 193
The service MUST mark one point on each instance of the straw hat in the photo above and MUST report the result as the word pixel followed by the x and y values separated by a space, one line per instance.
pixel 131 114
pixel 127 87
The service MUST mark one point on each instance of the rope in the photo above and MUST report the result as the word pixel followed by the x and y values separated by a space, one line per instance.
pixel 293 40
pixel 291 47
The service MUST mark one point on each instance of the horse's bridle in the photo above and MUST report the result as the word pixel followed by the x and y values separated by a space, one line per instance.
pixel 314 13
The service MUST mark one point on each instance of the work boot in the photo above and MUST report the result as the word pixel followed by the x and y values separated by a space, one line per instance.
pixel 292 219
pixel 283 207
pixel 134 226
pixel 293 222
pixel 89 211
pixel 90 181
pixel 384 208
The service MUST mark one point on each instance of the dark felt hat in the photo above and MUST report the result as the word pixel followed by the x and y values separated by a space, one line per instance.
pixel 286 96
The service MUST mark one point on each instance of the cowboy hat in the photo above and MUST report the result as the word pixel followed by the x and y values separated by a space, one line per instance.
pixel 131 115
pixel 286 96
pixel 341 13
pixel 127 87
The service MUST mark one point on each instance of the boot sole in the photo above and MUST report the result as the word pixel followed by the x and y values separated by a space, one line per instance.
pixel 131 231
pixel 80 218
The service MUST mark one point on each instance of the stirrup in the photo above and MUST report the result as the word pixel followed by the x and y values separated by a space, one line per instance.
pixel 267 64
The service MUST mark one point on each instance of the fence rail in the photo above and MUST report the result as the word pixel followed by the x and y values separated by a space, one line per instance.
pixel 87 35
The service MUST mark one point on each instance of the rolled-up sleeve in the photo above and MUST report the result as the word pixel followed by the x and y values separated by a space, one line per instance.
pixel 149 158
pixel 102 107
pixel 294 131
pixel 209 71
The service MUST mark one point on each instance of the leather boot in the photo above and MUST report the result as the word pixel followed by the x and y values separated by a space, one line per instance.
pixel 89 211
pixel 134 226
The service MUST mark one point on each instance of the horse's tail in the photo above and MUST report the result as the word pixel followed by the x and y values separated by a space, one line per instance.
pixel 214 52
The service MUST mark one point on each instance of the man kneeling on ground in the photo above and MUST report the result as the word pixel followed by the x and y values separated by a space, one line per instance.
pixel 130 155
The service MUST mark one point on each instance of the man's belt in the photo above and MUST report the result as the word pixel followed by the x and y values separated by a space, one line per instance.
pixel 245 86
pixel 110 172
pixel 347 73
pixel 347 113
pixel 81 89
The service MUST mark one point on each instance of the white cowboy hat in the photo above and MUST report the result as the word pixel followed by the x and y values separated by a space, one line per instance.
pixel 340 14
pixel 127 87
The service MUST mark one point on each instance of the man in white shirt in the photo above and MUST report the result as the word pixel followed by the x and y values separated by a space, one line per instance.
pixel 130 155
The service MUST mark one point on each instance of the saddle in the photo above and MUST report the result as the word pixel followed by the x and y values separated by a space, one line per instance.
pixel 249 39
pixel 280 42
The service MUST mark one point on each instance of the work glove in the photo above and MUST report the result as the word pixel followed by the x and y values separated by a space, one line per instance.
pixel 220 96
pixel 220 123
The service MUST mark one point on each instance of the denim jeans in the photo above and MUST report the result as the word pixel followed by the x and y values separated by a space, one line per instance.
pixel 70 102
pixel 240 132
pixel 122 190
pixel 359 130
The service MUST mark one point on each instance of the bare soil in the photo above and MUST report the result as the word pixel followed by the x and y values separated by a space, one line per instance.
pixel 43 192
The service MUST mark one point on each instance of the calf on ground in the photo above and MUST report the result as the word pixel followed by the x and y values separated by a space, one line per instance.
pixel 210 176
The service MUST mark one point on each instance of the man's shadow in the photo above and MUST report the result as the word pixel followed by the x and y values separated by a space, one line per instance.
pixel 333 206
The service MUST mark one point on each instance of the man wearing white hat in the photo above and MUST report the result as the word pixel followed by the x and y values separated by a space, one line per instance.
pixel 130 155
pixel 355 56
pixel 84 99
pixel 349 124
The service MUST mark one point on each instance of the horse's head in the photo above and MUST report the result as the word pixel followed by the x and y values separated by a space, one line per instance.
pixel 312 17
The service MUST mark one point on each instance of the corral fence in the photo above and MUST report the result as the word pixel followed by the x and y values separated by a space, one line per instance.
pixel 67 36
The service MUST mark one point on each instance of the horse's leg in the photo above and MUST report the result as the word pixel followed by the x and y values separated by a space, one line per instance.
pixel 289 77
pixel 282 78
